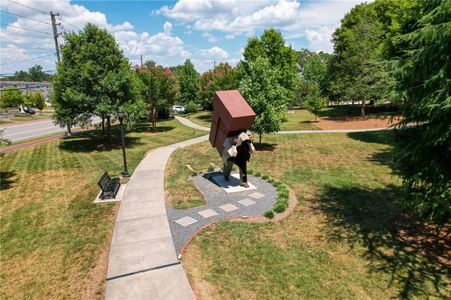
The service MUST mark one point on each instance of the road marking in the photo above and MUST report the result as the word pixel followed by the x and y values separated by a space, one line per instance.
pixel 33 130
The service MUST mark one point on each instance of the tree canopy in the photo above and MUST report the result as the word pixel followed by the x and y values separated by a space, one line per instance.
pixel 189 83
pixel 94 78
pixel 222 77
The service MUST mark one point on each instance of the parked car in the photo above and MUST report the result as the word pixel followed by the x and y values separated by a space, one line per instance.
pixel 29 110
pixel 178 109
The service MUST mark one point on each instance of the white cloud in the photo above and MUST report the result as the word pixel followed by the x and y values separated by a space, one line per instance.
pixel 229 37
pixel 162 47
pixel 292 17
pixel 211 38
pixel 214 53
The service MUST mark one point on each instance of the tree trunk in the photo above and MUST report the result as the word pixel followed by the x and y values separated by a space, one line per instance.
pixel 363 109
pixel 260 138
pixel 108 124
pixel 154 118
pixel 69 131
pixel 315 117
pixel 103 125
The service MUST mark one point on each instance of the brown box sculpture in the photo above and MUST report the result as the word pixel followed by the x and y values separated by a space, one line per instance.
pixel 231 115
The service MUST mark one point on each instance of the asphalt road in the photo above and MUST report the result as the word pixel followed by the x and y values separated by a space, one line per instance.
pixel 28 130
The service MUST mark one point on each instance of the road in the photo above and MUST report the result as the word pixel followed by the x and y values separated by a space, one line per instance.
pixel 28 130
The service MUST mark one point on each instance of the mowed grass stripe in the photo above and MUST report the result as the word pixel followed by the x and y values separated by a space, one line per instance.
pixel 52 236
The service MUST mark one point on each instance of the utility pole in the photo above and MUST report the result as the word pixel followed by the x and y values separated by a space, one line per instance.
pixel 55 35
pixel 142 61
pixel 214 64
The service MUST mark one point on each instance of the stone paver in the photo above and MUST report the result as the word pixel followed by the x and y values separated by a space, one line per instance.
pixel 246 202
pixel 142 261
pixel 233 185
pixel 225 205
pixel 257 195
pixel 207 213
pixel 228 207
pixel 185 221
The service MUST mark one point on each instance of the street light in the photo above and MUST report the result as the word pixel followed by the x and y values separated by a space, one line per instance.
pixel 121 116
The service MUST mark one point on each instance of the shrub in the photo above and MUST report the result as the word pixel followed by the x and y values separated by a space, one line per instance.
pixel 258 174
pixel 279 207
pixel 269 214
pixel 265 177
pixel 193 173
pixel 211 168
pixel 250 171
pixel 191 107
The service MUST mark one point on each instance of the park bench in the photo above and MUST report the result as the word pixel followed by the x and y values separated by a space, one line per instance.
pixel 109 186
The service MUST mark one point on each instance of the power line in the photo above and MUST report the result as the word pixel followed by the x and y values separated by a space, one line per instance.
pixel 25 28
pixel 17 15
pixel 35 9
pixel 61 20
pixel 21 61
pixel 24 50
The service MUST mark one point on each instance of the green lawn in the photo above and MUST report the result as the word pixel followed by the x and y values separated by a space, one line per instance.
pixel 201 118
pixel 53 240
pixel 296 120
pixel 27 117
pixel 299 119
pixel 348 238
pixel 4 121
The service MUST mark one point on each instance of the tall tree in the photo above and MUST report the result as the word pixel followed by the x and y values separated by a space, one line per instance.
pixel 223 77
pixel 189 83
pixel 158 89
pixel 281 58
pixel 421 55
pixel 94 78
pixel 261 88
pixel 11 98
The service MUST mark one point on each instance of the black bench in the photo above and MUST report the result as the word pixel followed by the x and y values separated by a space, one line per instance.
pixel 109 186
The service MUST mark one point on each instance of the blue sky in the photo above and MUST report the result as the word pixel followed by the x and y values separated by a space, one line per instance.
pixel 167 31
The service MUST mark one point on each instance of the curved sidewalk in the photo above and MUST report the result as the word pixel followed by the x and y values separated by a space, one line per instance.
pixel 142 261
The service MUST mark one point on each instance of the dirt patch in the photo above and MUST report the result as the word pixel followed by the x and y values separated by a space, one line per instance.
pixel 356 123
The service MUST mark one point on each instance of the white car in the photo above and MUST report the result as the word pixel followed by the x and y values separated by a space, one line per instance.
pixel 178 109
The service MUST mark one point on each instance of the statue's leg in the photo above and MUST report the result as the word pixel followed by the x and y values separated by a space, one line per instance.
pixel 227 170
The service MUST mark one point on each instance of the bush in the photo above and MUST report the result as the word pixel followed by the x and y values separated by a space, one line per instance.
pixel 265 177
pixel 211 168
pixel 250 171
pixel 258 174
pixel 191 107
pixel 11 98
pixel 269 214
pixel 193 173
pixel 280 207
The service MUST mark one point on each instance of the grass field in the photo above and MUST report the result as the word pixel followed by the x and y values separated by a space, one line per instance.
pixel 296 120
pixel 53 240
pixel 348 238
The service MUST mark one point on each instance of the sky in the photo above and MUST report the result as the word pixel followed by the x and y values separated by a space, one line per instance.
pixel 168 32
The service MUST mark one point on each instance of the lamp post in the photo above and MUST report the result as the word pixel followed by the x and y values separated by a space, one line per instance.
pixel 121 116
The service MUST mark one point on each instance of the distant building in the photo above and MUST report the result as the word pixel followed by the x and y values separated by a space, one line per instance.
pixel 29 86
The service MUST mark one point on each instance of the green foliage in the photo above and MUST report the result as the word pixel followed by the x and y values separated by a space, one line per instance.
pixel 211 168
pixel 281 59
pixel 11 98
pixel 314 68
pixel 157 88
pixel 420 53
pixel 34 73
pixel 35 99
pixel 315 102
pixel 191 107
pixel 189 83
pixel 94 78
pixel 269 214
pixel 223 77
pixel 268 98
pixel 358 70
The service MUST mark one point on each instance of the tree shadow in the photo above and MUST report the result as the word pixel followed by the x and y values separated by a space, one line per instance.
pixel 96 141
pixel 7 178
pixel 414 253
pixel 147 127
pixel 349 112
pixel 265 147
pixel 386 137
pixel 206 118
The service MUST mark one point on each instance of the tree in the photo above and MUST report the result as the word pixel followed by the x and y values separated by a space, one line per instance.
pixel 261 88
pixel 420 52
pixel 158 89
pixel 37 74
pixel 315 102
pixel 189 83
pixel 223 77
pixel 94 78
pixel 11 98
pixel 358 67
pixel 35 99
pixel 281 58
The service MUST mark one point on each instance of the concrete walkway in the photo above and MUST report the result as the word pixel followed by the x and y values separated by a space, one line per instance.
pixel 142 261
pixel 188 123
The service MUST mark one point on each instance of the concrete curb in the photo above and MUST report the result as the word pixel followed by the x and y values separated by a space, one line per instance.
pixel 142 260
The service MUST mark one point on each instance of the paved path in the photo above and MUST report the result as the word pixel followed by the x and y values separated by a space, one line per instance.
pixel 142 261
pixel 220 205
pixel 188 123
